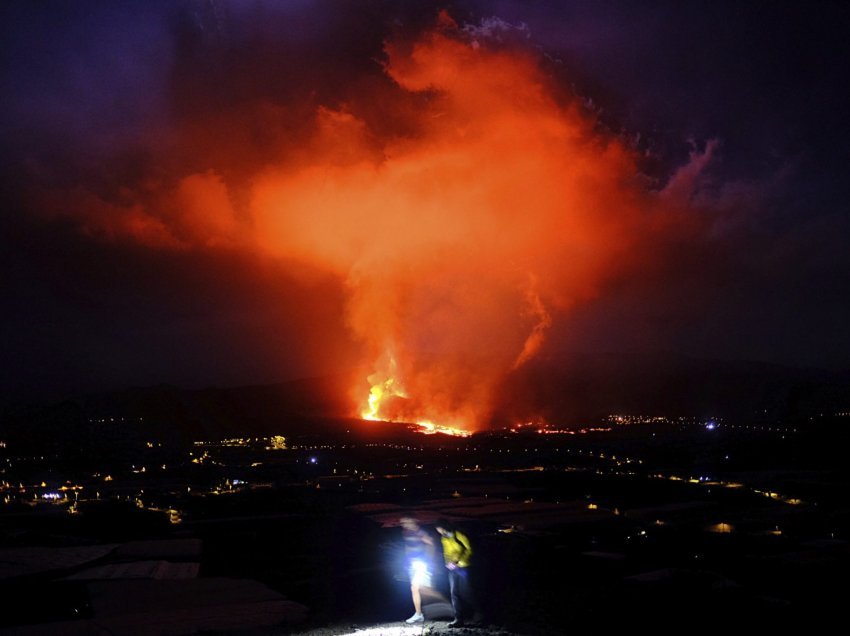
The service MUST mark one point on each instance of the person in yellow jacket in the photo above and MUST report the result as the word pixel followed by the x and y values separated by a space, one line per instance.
pixel 457 553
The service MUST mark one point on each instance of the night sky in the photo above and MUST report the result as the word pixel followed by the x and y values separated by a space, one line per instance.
pixel 149 147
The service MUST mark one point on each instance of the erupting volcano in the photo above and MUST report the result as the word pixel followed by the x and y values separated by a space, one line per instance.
pixel 461 195
pixel 504 201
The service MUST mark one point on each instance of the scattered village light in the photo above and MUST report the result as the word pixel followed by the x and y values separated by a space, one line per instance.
pixel 722 528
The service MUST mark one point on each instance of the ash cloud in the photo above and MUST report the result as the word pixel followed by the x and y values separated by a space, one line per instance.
pixel 436 184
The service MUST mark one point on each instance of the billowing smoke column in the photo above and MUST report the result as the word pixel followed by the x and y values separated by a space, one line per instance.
pixel 457 241
pixel 460 234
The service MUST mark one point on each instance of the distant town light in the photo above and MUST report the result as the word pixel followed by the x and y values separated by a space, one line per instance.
pixel 721 528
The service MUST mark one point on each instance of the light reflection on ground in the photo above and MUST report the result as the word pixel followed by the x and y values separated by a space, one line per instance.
pixel 428 628
pixel 392 630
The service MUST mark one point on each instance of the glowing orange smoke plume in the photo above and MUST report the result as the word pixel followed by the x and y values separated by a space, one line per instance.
pixel 456 241
pixel 460 236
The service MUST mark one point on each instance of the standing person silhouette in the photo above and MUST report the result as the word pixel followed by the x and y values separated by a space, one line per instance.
pixel 457 553
pixel 418 551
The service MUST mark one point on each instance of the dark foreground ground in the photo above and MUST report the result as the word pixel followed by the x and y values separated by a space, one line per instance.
pixel 656 528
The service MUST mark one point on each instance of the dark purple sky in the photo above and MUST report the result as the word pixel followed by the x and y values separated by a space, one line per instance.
pixel 109 97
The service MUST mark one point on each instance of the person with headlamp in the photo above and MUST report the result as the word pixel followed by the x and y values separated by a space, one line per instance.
pixel 418 550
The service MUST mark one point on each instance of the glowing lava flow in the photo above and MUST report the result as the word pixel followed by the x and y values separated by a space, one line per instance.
pixel 429 428
pixel 391 388
pixel 386 386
